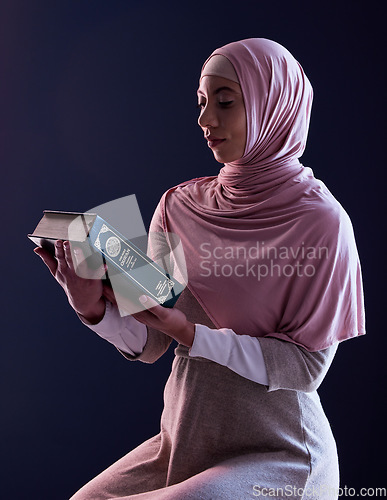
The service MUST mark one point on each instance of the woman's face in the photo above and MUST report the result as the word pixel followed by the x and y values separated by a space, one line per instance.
pixel 222 117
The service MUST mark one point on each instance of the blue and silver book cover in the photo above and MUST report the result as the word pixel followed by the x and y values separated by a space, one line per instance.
pixel 132 264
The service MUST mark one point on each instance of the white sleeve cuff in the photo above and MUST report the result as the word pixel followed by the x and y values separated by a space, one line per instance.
pixel 126 333
pixel 240 353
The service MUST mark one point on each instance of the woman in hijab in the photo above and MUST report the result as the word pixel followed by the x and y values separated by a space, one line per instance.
pixel 274 284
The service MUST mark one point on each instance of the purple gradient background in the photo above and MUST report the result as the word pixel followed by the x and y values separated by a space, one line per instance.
pixel 98 101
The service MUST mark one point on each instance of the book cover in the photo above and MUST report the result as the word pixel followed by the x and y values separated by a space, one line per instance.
pixel 130 271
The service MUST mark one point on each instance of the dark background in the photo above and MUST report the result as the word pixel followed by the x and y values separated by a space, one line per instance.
pixel 98 101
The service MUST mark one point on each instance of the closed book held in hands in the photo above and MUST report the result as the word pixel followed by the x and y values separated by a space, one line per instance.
pixel 129 269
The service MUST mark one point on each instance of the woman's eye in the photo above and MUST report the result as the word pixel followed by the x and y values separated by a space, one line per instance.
pixel 223 104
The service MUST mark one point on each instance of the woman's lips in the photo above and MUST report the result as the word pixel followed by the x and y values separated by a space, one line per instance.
pixel 212 143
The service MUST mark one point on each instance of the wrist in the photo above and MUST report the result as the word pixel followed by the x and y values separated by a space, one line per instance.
pixel 186 337
pixel 95 314
pixel 191 332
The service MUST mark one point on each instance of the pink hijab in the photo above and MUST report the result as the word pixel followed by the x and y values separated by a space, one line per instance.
pixel 269 251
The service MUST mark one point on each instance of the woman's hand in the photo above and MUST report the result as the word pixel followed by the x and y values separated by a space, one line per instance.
pixel 172 322
pixel 85 294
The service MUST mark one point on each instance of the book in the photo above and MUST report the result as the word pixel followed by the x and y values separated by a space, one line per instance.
pixel 130 271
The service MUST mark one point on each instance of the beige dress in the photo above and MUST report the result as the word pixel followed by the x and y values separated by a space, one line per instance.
pixel 223 436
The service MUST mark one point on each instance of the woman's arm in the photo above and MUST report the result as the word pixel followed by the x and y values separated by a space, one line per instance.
pixel 134 340
pixel 87 294
pixel 241 353
pixel 291 366
pixel 125 333
pixel 269 361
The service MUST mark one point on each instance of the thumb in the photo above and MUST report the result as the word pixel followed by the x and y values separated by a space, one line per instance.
pixel 149 303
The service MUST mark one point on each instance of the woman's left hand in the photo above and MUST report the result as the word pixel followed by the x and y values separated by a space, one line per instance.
pixel 172 322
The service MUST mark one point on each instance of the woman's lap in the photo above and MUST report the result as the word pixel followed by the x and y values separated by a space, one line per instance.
pixel 234 479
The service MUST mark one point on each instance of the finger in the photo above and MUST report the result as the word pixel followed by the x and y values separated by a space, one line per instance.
pixel 67 255
pixel 47 258
pixel 60 257
pixel 147 301
pixel 153 306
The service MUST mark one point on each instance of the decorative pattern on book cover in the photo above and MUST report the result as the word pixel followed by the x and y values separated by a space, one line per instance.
pixel 141 270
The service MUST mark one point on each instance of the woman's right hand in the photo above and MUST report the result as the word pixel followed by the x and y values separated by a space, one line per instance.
pixel 85 294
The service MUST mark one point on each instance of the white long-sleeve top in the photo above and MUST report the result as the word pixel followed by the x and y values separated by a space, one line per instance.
pixel 240 353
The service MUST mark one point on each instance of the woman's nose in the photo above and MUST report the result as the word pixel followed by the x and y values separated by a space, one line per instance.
pixel 208 117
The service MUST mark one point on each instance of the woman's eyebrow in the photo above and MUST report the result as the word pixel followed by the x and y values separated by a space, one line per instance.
pixel 219 90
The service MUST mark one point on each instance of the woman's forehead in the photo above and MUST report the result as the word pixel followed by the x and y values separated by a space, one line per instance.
pixel 211 84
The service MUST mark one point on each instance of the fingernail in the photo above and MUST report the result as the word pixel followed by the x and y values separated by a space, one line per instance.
pixel 143 299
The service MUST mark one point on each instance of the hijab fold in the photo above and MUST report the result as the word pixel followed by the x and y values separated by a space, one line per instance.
pixel 269 250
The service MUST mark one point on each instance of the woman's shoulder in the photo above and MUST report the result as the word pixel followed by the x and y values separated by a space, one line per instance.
pixel 168 197
pixel 191 189
pixel 317 198
pixel 190 184
pixel 325 213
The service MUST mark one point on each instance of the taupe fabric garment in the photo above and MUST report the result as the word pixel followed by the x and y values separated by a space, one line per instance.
pixel 225 437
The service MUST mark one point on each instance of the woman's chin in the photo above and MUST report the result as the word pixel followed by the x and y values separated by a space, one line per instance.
pixel 224 158
pixel 218 159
